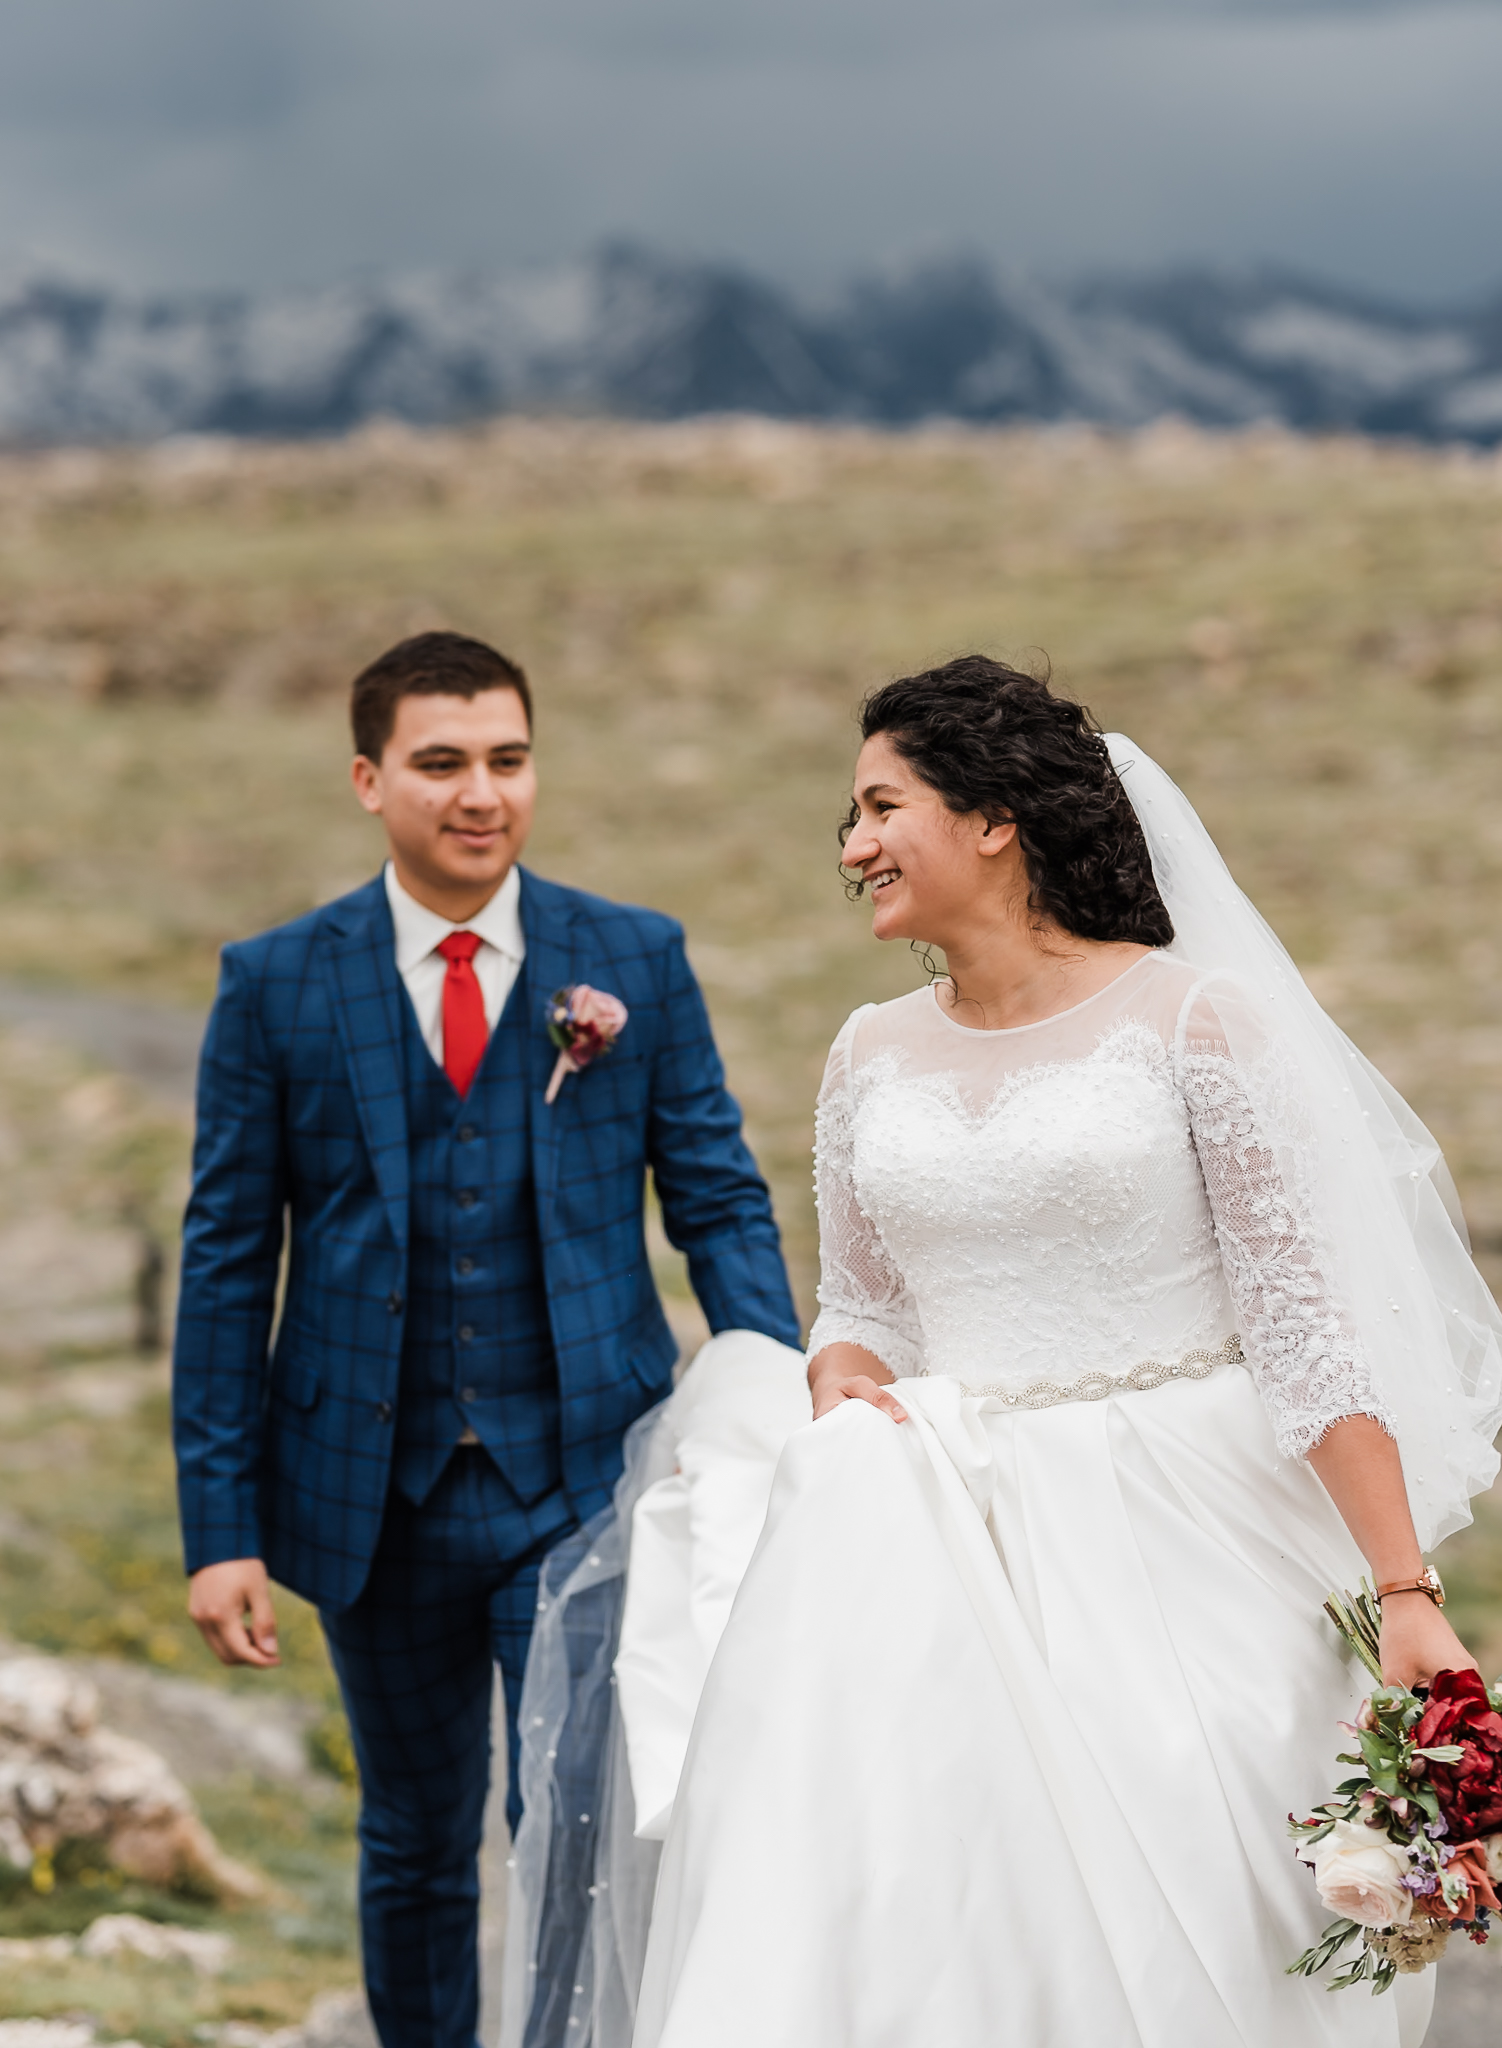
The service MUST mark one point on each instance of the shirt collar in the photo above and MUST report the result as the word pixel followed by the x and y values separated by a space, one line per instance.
pixel 420 930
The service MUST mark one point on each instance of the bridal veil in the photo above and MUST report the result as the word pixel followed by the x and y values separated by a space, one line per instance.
pixel 1369 1172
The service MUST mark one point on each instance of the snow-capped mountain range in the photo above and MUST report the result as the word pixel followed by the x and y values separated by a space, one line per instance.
pixel 632 333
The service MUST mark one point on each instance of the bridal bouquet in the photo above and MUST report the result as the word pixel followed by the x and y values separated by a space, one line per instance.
pixel 1410 1847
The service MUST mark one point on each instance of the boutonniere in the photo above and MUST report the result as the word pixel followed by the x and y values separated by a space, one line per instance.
pixel 584 1023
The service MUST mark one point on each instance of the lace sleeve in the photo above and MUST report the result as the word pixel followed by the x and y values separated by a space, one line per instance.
pixel 1306 1357
pixel 863 1299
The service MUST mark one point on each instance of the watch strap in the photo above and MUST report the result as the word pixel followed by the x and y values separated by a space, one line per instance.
pixel 1428 1583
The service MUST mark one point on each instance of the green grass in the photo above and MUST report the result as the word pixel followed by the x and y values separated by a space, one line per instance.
pixel 91 1565
pixel 101 1572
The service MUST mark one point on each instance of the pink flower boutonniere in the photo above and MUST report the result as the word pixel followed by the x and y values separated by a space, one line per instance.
pixel 584 1023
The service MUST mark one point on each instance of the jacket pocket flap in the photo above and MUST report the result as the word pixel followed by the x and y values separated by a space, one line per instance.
pixel 297 1384
pixel 651 1362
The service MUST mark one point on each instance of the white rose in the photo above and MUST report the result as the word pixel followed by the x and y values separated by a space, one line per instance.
pixel 1493 1847
pixel 1358 1873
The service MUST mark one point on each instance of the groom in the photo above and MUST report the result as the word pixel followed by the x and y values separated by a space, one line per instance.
pixel 469 1323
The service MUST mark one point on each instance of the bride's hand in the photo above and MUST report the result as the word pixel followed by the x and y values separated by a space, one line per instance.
pixel 1361 1470
pixel 829 1393
pixel 848 1372
pixel 1417 1641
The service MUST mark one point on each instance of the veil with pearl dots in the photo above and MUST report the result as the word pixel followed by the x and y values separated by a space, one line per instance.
pixel 1367 1171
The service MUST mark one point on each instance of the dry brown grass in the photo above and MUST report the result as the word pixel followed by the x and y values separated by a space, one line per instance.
pixel 1308 635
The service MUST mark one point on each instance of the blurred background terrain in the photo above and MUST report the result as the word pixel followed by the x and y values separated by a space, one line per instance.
pixel 1308 634
pixel 630 331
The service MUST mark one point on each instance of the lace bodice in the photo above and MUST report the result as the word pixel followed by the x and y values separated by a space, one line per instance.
pixel 1077 1196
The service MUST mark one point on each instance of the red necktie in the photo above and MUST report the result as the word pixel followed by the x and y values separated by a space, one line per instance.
pixel 464 1028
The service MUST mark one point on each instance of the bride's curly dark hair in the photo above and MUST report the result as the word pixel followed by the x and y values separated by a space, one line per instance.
pixel 990 738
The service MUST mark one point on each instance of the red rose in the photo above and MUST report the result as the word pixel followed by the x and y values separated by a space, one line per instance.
pixel 1470 1792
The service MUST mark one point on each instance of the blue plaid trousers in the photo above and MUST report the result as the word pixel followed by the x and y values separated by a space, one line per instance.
pixel 451 1596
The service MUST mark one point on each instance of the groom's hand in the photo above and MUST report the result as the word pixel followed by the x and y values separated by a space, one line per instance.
pixel 231 1605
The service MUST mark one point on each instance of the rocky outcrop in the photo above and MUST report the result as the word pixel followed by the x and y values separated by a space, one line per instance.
pixel 65 1778
pixel 53 2034
pixel 210 1734
pixel 125 1934
pixel 338 2019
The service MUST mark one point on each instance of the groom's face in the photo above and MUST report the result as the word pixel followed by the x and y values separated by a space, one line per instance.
pixel 455 788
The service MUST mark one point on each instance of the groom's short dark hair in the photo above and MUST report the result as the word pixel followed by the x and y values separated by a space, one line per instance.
pixel 428 665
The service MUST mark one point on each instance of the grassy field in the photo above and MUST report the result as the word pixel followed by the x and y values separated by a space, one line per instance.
pixel 90 1565
pixel 1309 636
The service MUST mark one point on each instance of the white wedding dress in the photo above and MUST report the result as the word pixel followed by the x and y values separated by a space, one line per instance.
pixel 995 1746
pixel 980 1730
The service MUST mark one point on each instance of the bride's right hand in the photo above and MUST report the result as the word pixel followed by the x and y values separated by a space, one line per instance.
pixel 847 1372
pixel 830 1393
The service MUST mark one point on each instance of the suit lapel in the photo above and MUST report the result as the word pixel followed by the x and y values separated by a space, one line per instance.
pixel 368 1000
pixel 551 964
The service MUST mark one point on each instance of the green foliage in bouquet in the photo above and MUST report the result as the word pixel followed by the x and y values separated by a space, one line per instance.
pixel 1401 1853
pixel 1358 1616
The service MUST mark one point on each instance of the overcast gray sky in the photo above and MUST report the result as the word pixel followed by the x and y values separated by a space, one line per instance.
pixel 223 142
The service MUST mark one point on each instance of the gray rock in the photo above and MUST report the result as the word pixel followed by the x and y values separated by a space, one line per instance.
pixel 64 1777
pixel 210 1734
pixel 126 1934
pixel 52 2034
pixel 340 2019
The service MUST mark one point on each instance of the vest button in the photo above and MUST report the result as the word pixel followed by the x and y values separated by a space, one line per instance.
pixel 467 1334
pixel 466 1198
pixel 466 1265
pixel 467 1394
pixel 394 1302
pixel 467 1134
pixel 383 1411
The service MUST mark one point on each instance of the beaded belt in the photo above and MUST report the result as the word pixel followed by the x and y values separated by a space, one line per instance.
pixel 1096 1386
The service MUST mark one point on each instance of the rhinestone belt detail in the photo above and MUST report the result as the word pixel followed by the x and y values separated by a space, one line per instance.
pixel 1096 1386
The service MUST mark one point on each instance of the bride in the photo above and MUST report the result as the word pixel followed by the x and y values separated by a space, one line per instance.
pixel 1144 1324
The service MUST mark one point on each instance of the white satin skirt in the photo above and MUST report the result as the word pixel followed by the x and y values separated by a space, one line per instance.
pixel 981 1730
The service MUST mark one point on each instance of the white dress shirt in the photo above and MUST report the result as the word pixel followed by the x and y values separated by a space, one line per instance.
pixel 419 931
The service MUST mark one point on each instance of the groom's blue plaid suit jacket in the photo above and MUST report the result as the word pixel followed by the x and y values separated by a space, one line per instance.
pixel 284 1450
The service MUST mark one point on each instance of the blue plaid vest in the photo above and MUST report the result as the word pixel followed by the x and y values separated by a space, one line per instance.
pixel 478 1351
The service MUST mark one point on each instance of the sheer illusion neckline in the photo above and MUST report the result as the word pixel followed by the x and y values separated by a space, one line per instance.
pixel 1015 1030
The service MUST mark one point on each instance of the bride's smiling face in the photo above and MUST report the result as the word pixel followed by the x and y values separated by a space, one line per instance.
pixel 926 867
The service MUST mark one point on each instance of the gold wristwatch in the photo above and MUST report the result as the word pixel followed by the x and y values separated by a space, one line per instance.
pixel 1430 1583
